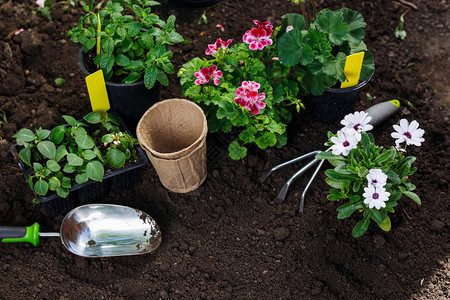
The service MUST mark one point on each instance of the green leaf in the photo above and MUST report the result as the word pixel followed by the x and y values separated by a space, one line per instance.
pixel 313 83
pixel 368 66
pixel 69 169
pixel 266 140
pixel 62 192
pixel 25 135
pixel 386 224
pixel 53 165
pixel 53 183
pixel 81 178
pixel 226 110
pixel 295 20
pixel 25 156
pixel 134 28
pixel 386 155
pixel 332 24
pixel 393 176
pixel 66 182
pixel 60 153
pixel 133 77
pixel 58 134
pixel 236 151
pixel 71 121
pixel 89 154
pixel 108 45
pixel 337 184
pixel 347 209
pixel 47 149
pixel 41 187
pixel 115 158
pixel 340 176
pixel 174 37
pixel 361 227
pixel 413 196
pixel 84 141
pixel 292 51
pixel 335 67
pixel 95 170
pixel 355 23
pixel 248 135
pixel 150 77
pixel 74 160
pixel 122 60
pixel 43 133
pixel 93 117
pixel 162 78
pixel 376 215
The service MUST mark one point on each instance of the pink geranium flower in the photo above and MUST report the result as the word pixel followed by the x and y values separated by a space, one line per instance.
pixel 212 48
pixel 247 96
pixel 215 74
pixel 202 76
pixel 259 36
pixel 206 74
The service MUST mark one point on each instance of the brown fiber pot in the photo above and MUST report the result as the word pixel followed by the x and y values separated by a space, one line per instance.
pixel 173 134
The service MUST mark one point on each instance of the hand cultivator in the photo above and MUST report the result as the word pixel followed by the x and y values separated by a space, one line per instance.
pixel 378 112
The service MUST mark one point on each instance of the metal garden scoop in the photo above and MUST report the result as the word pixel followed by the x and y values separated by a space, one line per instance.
pixel 97 230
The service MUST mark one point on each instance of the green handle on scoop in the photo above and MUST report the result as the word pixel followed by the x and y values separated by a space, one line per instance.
pixel 13 234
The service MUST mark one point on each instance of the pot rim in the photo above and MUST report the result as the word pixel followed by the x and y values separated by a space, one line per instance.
pixel 352 88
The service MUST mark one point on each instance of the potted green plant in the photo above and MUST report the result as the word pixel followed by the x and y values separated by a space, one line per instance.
pixel 80 160
pixel 317 52
pixel 129 43
pixel 244 86
pixel 368 179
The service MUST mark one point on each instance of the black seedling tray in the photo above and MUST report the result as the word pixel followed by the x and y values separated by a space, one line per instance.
pixel 90 191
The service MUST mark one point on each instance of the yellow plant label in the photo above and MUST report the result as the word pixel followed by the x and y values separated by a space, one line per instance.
pixel 352 69
pixel 97 92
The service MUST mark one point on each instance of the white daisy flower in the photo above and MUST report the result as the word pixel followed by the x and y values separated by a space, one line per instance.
pixel 376 178
pixel 343 143
pixel 375 197
pixel 409 133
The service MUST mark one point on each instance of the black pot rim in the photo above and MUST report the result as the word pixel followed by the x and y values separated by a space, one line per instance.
pixel 85 71
pixel 352 88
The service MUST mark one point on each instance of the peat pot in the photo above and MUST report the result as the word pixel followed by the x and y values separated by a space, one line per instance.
pixel 173 134
pixel 90 191
pixel 334 104
pixel 129 100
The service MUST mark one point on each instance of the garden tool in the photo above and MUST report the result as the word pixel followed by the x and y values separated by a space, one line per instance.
pixel 378 112
pixel 96 230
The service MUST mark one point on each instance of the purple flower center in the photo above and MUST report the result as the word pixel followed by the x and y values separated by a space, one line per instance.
pixel 374 181
pixel 346 144
pixel 375 196
pixel 407 134
pixel 356 127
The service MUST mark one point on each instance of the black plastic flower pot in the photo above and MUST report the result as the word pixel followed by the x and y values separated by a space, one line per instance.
pixel 197 2
pixel 334 104
pixel 90 191
pixel 131 101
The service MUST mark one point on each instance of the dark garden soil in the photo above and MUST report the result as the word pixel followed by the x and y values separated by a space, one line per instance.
pixel 231 238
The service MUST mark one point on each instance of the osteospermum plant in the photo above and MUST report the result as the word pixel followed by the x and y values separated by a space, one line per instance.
pixel 244 86
pixel 366 178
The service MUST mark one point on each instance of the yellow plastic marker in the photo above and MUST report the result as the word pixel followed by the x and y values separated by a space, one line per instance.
pixel 352 69
pixel 99 29
pixel 97 92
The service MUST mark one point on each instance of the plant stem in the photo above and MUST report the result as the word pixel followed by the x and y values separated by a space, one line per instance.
pixel 304 14
pixel 314 9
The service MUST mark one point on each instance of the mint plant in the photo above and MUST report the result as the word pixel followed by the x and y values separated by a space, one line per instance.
pixel 133 41
pixel 367 178
pixel 317 51
pixel 243 86
pixel 77 151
